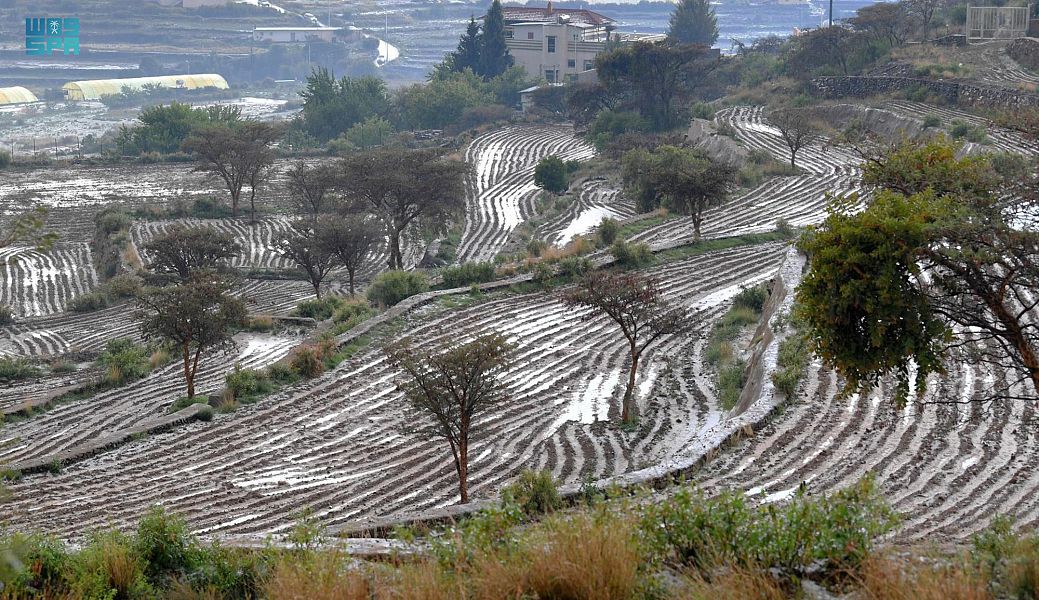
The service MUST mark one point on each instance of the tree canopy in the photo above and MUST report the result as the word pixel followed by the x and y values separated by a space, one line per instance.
pixel 331 106
pixel 185 250
pixel 240 155
pixel 494 54
pixel 693 22
pixel 405 188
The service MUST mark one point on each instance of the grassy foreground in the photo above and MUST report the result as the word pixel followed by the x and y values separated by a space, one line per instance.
pixel 683 546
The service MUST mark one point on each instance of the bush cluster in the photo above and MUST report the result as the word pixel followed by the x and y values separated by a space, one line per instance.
pixel 631 255
pixel 467 274
pixel 124 361
pixel 391 287
pixel 14 368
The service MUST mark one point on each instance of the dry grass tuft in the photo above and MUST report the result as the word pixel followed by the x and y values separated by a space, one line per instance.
pixel 325 577
pixel 734 585
pixel 887 579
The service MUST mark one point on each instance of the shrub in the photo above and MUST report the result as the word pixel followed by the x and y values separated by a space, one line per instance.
pixel 260 324
pixel 164 546
pixel 731 380
pixel 350 314
pixel 391 287
pixel 209 208
pixel 308 361
pixel 281 373
pixel 123 361
pixel 124 285
pixel 326 577
pixel 205 414
pixel 88 302
pixel 608 230
pixel 574 266
pixel 932 121
pixel 835 532
pixel 536 247
pixel 318 310
pixel 184 402
pixel 631 255
pixel 534 491
pixel 62 366
pixel 753 298
pixel 963 129
pixel 465 274
pixel 784 229
pixel 551 174
pixel 6 315
pixel 12 368
pixel 5 159
pixel 109 568
pixel 242 384
pixel 543 273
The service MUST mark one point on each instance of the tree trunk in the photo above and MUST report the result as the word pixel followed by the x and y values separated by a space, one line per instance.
pixel 234 204
pixel 317 288
pixel 793 157
pixel 627 414
pixel 252 204
pixel 395 259
pixel 194 372
pixel 187 370
pixel 1017 337
pixel 463 472
pixel 697 221
pixel 350 279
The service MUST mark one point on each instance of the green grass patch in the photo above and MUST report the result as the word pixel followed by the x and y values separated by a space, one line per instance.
pixel 721 352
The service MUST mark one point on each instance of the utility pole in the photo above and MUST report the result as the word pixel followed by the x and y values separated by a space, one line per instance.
pixel 831 13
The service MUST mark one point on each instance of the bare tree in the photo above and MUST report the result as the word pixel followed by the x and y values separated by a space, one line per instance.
pixel 405 188
pixel 797 128
pixel 450 389
pixel 351 239
pixel 312 187
pixel 635 303
pixel 185 250
pixel 195 316
pixel 240 155
pixel 306 249
pixel 923 11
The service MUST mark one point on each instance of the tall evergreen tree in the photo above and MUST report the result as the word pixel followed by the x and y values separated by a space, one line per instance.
pixel 694 22
pixel 468 54
pixel 494 54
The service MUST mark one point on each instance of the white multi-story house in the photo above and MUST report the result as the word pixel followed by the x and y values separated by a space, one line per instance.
pixel 557 44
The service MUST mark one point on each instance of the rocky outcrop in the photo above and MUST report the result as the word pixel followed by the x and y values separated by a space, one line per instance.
pixel 703 134
pixel 953 92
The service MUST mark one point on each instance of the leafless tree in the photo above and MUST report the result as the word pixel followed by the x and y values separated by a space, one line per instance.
pixel 312 187
pixel 797 129
pixel 351 239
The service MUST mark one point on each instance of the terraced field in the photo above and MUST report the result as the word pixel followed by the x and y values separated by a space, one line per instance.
pixel 335 443
pixel 1000 138
pixel 597 200
pixel 949 468
pixel 500 191
pixel 37 283
pixel 801 200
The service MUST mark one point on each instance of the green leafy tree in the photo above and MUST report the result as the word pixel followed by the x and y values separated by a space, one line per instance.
pixel 240 155
pixel 185 250
pixel 911 168
pixel 915 278
pixel 372 132
pixel 305 248
pixel 494 54
pixel 196 316
pixel 450 389
pixel 352 239
pixel 693 22
pixel 551 174
pixel 469 53
pixel 330 107
pixel 164 128
pixel 653 77
pixel 636 304
pixel 684 180
pixel 404 189
pixel 442 101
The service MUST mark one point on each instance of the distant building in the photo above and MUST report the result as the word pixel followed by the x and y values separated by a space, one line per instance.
pixel 16 95
pixel 558 44
pixel 96 88
pixel 296 35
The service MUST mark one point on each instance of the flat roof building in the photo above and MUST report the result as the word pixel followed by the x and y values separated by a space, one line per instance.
pixel 290 35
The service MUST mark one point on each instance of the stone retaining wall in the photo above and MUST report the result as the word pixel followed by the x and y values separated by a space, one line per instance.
pixel 953 92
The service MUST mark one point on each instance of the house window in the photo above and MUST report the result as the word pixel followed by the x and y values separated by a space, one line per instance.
pixel 588 65
pixel 530 35
pixel 551 43
pixel 550 75
pixel 571 64
pixel 508 34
